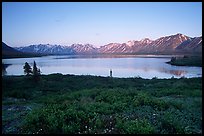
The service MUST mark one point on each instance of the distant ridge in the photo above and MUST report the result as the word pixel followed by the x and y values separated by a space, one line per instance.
pixel 9 52
pixel 178 43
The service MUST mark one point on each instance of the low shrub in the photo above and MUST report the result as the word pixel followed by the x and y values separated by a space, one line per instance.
pixel 137 126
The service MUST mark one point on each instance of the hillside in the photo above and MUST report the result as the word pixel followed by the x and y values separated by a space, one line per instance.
pixel 9 52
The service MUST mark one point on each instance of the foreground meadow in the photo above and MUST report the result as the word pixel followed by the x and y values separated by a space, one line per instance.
pixel 101 105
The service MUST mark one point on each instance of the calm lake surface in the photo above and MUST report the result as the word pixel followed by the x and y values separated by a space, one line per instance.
pixel 145 66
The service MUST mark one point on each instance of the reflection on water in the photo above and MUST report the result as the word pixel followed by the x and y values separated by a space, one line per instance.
pixel 175 72
pixel 126 66
pixel 4 66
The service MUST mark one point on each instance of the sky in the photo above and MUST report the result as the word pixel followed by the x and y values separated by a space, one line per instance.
pixel 97 23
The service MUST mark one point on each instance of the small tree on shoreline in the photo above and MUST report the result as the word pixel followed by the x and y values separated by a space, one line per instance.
pixel 27 69
pixel 36 72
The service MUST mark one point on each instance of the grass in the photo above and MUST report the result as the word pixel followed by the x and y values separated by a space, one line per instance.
pixel 68 104
pixel 186 61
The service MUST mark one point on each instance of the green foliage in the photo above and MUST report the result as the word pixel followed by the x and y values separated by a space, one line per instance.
pixel 88 104
pixel 138 127
pixel 171 124
pixel 23 94
pixel 134 126
pixel 145 99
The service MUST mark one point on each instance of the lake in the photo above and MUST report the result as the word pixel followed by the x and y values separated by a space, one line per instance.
pixel 145 66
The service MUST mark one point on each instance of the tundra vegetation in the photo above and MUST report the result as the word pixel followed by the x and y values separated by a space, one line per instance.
pixel 70 104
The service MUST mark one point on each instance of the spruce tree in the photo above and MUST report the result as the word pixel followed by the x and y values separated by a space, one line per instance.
pixel 36 72
pixel 27 69
pixel 34 69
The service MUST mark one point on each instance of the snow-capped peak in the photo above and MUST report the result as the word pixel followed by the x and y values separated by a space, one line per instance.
pixel 146 40
pixel 130 43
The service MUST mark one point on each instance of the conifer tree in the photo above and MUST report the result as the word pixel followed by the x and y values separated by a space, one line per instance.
pixel 34 69
pixel 36 72
pixel 27 69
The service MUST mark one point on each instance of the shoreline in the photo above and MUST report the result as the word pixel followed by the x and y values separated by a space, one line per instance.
pixel 186 61
pixel 136 77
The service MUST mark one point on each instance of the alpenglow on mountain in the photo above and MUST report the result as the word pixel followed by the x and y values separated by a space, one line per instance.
pixel 178 43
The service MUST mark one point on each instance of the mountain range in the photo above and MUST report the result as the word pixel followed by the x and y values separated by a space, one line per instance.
pixel 173 44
